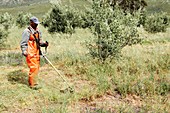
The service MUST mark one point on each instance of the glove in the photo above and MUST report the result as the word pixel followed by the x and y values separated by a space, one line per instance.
pixel 44 44
pixel 25 53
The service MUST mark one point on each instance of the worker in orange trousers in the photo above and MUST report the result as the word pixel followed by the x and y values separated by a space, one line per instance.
pixel 30 46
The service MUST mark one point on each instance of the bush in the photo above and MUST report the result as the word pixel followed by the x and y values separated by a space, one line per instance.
pixel 6 21
pixel 157 22
pixel 62 20
pixel 3 35
pixel 113 30
pixel 23 19
pixel 87 19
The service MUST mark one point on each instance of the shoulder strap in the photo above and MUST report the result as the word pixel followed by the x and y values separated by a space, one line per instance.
pixel 36 39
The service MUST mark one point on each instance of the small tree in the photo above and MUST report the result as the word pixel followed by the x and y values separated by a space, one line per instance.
pixel 3 35
pixel 6 20
pixel 157 22
pixel 113 30
pixel 23 19
pixel 126 5
pixel 62 20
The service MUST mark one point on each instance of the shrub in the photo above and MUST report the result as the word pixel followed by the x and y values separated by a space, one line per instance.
pixel 3 35
pixel 6 21
pixel 87 19
pixel 62 20
pixel 23 19
pixel 113 30
pixel 130 5
pixel 157 22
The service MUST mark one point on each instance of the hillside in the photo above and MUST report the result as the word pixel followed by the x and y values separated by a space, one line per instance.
pixel 9 3
pixel 158 6
pixel 15 6
pixel 138 81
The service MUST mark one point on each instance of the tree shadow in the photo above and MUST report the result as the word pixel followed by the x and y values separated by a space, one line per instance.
pixel 18 76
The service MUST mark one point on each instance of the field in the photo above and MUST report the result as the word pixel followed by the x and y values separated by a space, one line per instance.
pixel 138 82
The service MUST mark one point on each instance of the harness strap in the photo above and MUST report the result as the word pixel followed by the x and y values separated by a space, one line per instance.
pixel 37 40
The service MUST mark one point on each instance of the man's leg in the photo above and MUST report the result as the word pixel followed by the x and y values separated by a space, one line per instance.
pixel 33 64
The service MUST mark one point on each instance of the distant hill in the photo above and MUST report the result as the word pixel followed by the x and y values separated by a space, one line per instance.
pixel 14 6
pixel 8 3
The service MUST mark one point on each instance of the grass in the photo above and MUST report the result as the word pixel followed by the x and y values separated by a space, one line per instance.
pixel 41 9
pixel 36 9
pixel 140 79
pixel 158 6
pixel 137 82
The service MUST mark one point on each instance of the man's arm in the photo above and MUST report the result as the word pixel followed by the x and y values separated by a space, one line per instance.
pixel 24 42
pixel 42 43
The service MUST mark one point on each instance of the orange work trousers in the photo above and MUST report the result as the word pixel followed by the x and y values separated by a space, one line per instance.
pixel 34 65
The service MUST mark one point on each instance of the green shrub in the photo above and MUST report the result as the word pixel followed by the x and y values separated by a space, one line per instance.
pixel 157 22
pixel 113 30
pixel 6 21
pixel 62 20
pixel 3 36
pixel 87 19
pixel 23 19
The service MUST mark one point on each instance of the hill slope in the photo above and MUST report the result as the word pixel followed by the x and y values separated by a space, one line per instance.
pixel 19 2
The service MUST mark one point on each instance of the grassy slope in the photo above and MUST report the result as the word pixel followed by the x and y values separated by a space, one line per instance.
pixel 40 9
pixel 97 87
pixel 94 84
pixel 158 6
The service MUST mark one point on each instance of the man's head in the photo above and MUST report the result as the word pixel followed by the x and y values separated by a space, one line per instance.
pixel 34 22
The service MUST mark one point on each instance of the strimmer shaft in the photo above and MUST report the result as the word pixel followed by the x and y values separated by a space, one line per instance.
pixel 56 70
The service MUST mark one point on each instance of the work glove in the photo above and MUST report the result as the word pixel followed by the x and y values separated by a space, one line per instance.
pixel 44 44
pixel 25 53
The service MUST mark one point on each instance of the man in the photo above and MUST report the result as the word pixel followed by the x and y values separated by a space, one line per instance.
pixel 30 46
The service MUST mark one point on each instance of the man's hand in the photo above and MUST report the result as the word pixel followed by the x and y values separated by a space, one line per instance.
pixel 25 53
pixel 44 44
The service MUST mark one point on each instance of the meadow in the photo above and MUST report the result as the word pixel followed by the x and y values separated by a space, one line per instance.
pixel 137 82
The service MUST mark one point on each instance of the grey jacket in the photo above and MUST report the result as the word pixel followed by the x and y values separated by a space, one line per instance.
pixel 25 38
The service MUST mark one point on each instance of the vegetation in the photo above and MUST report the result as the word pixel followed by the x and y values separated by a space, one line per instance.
pixel 157 22
pixel 62 20
pixel 6 21
pixel 126 5
pixel 113 30
pixel 23 19
pixel 138 81
pixel 3 36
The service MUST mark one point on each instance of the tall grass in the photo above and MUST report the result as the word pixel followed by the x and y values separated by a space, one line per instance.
pixel 143 70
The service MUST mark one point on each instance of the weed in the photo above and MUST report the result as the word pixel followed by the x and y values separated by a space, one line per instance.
pixel 11 58
pixel 18 76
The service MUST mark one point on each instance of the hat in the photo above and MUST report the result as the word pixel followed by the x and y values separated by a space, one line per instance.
pixel 34 19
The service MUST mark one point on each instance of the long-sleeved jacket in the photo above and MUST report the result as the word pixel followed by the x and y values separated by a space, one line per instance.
pixel 26 35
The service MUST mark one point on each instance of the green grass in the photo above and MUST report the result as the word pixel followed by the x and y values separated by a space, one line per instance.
pixel 137 82
pixel 140 79
pixel 41 9
pixel 158 6
pixel 36 9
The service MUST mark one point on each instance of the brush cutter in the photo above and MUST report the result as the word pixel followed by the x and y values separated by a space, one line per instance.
pixel 69 87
